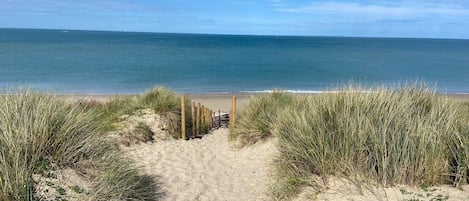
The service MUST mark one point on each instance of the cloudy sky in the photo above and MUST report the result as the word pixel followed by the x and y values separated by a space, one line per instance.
pixel 377 18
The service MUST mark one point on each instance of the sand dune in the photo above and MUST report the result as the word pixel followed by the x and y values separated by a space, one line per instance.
pixel 211 169
pixel 208 168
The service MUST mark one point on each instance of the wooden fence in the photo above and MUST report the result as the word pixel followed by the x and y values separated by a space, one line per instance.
pixel 205 119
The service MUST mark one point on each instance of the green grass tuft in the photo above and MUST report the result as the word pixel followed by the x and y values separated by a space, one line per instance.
pixel 160 99
pixel 39 132
pixel 404 136
pixel 255 120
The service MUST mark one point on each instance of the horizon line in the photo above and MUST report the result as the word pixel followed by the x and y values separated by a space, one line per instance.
pixel 235 34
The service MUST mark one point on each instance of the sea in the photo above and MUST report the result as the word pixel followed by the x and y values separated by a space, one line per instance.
pixel 103 62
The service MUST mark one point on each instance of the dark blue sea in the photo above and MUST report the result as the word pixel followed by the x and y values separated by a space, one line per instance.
pixel 95 62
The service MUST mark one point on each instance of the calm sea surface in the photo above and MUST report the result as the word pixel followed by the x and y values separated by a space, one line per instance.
pixel 93 62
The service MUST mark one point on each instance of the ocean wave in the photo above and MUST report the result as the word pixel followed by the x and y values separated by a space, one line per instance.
pixel 326 91
pixel 290 91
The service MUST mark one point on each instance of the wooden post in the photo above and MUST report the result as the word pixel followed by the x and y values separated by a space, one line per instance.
pixel 193 119
pixel 208 119
pixel 211 119
pixel 205 120
pixel 183 117
pixel 197 126
pixel 219 118
pixel 202 119
pixel 233 112
pixel 202 113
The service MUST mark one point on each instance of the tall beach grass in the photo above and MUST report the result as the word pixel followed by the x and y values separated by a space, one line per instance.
pixel 256 118
pixel 162 100
pixel 40 132
pixel 405 135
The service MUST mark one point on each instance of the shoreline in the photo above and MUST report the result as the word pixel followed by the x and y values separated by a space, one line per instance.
pixel 215 95
pixel 215 101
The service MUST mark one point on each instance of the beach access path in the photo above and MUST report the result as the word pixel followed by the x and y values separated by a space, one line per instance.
pixel 207 169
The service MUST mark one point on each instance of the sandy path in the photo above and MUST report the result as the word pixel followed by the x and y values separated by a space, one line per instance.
pixel 208 168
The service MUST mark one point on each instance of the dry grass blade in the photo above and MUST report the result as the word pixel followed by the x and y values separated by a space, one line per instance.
pixel 40 132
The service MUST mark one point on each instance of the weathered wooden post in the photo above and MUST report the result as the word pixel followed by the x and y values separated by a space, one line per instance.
pixel 193 118
pixel 183 117
pixel 205 119
pixel 233 112
pixel 202 119
pixel 208 119
pixel 219 118
pixel 211 119
pixel 197 126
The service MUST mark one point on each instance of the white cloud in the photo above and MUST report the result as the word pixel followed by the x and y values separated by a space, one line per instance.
pixel 389 10
pixel 248 2
pixel 89 7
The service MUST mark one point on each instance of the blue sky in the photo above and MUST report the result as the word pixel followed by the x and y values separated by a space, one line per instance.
pixel 378 18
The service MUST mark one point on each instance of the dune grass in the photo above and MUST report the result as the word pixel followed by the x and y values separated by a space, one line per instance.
pixel 40 132
pixel 406 135
pixel 163 101
pixel 257 116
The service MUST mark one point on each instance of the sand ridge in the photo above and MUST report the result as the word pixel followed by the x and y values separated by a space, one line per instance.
pixel 207 169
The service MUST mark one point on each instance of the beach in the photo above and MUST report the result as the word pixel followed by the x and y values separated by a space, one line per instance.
pixel 214 101
pixel 234 101
pixel 221 102
pixel 212 167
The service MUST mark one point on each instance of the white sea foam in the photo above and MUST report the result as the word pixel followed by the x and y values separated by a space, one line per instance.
pixel 291 91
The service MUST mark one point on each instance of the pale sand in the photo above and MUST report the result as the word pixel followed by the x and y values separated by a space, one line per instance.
pixel 343 190
pixel 208 168
pixel 211 169
pixel 221 102
pixel 215 102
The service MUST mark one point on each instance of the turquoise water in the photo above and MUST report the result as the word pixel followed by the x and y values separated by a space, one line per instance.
pixel 92 62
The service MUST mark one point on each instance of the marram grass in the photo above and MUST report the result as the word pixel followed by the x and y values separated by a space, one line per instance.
pixel 406 135
pixel 38 129
pixel 163 101
pixel 255 121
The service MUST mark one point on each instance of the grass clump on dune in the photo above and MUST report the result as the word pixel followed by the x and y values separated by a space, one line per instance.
pixel 161 100
pixel 40 132
pixel 408 135
pixel 405 135
pixel 256 118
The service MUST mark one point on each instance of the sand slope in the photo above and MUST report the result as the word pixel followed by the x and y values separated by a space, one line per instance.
pixel 208 168
pixel 211 169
